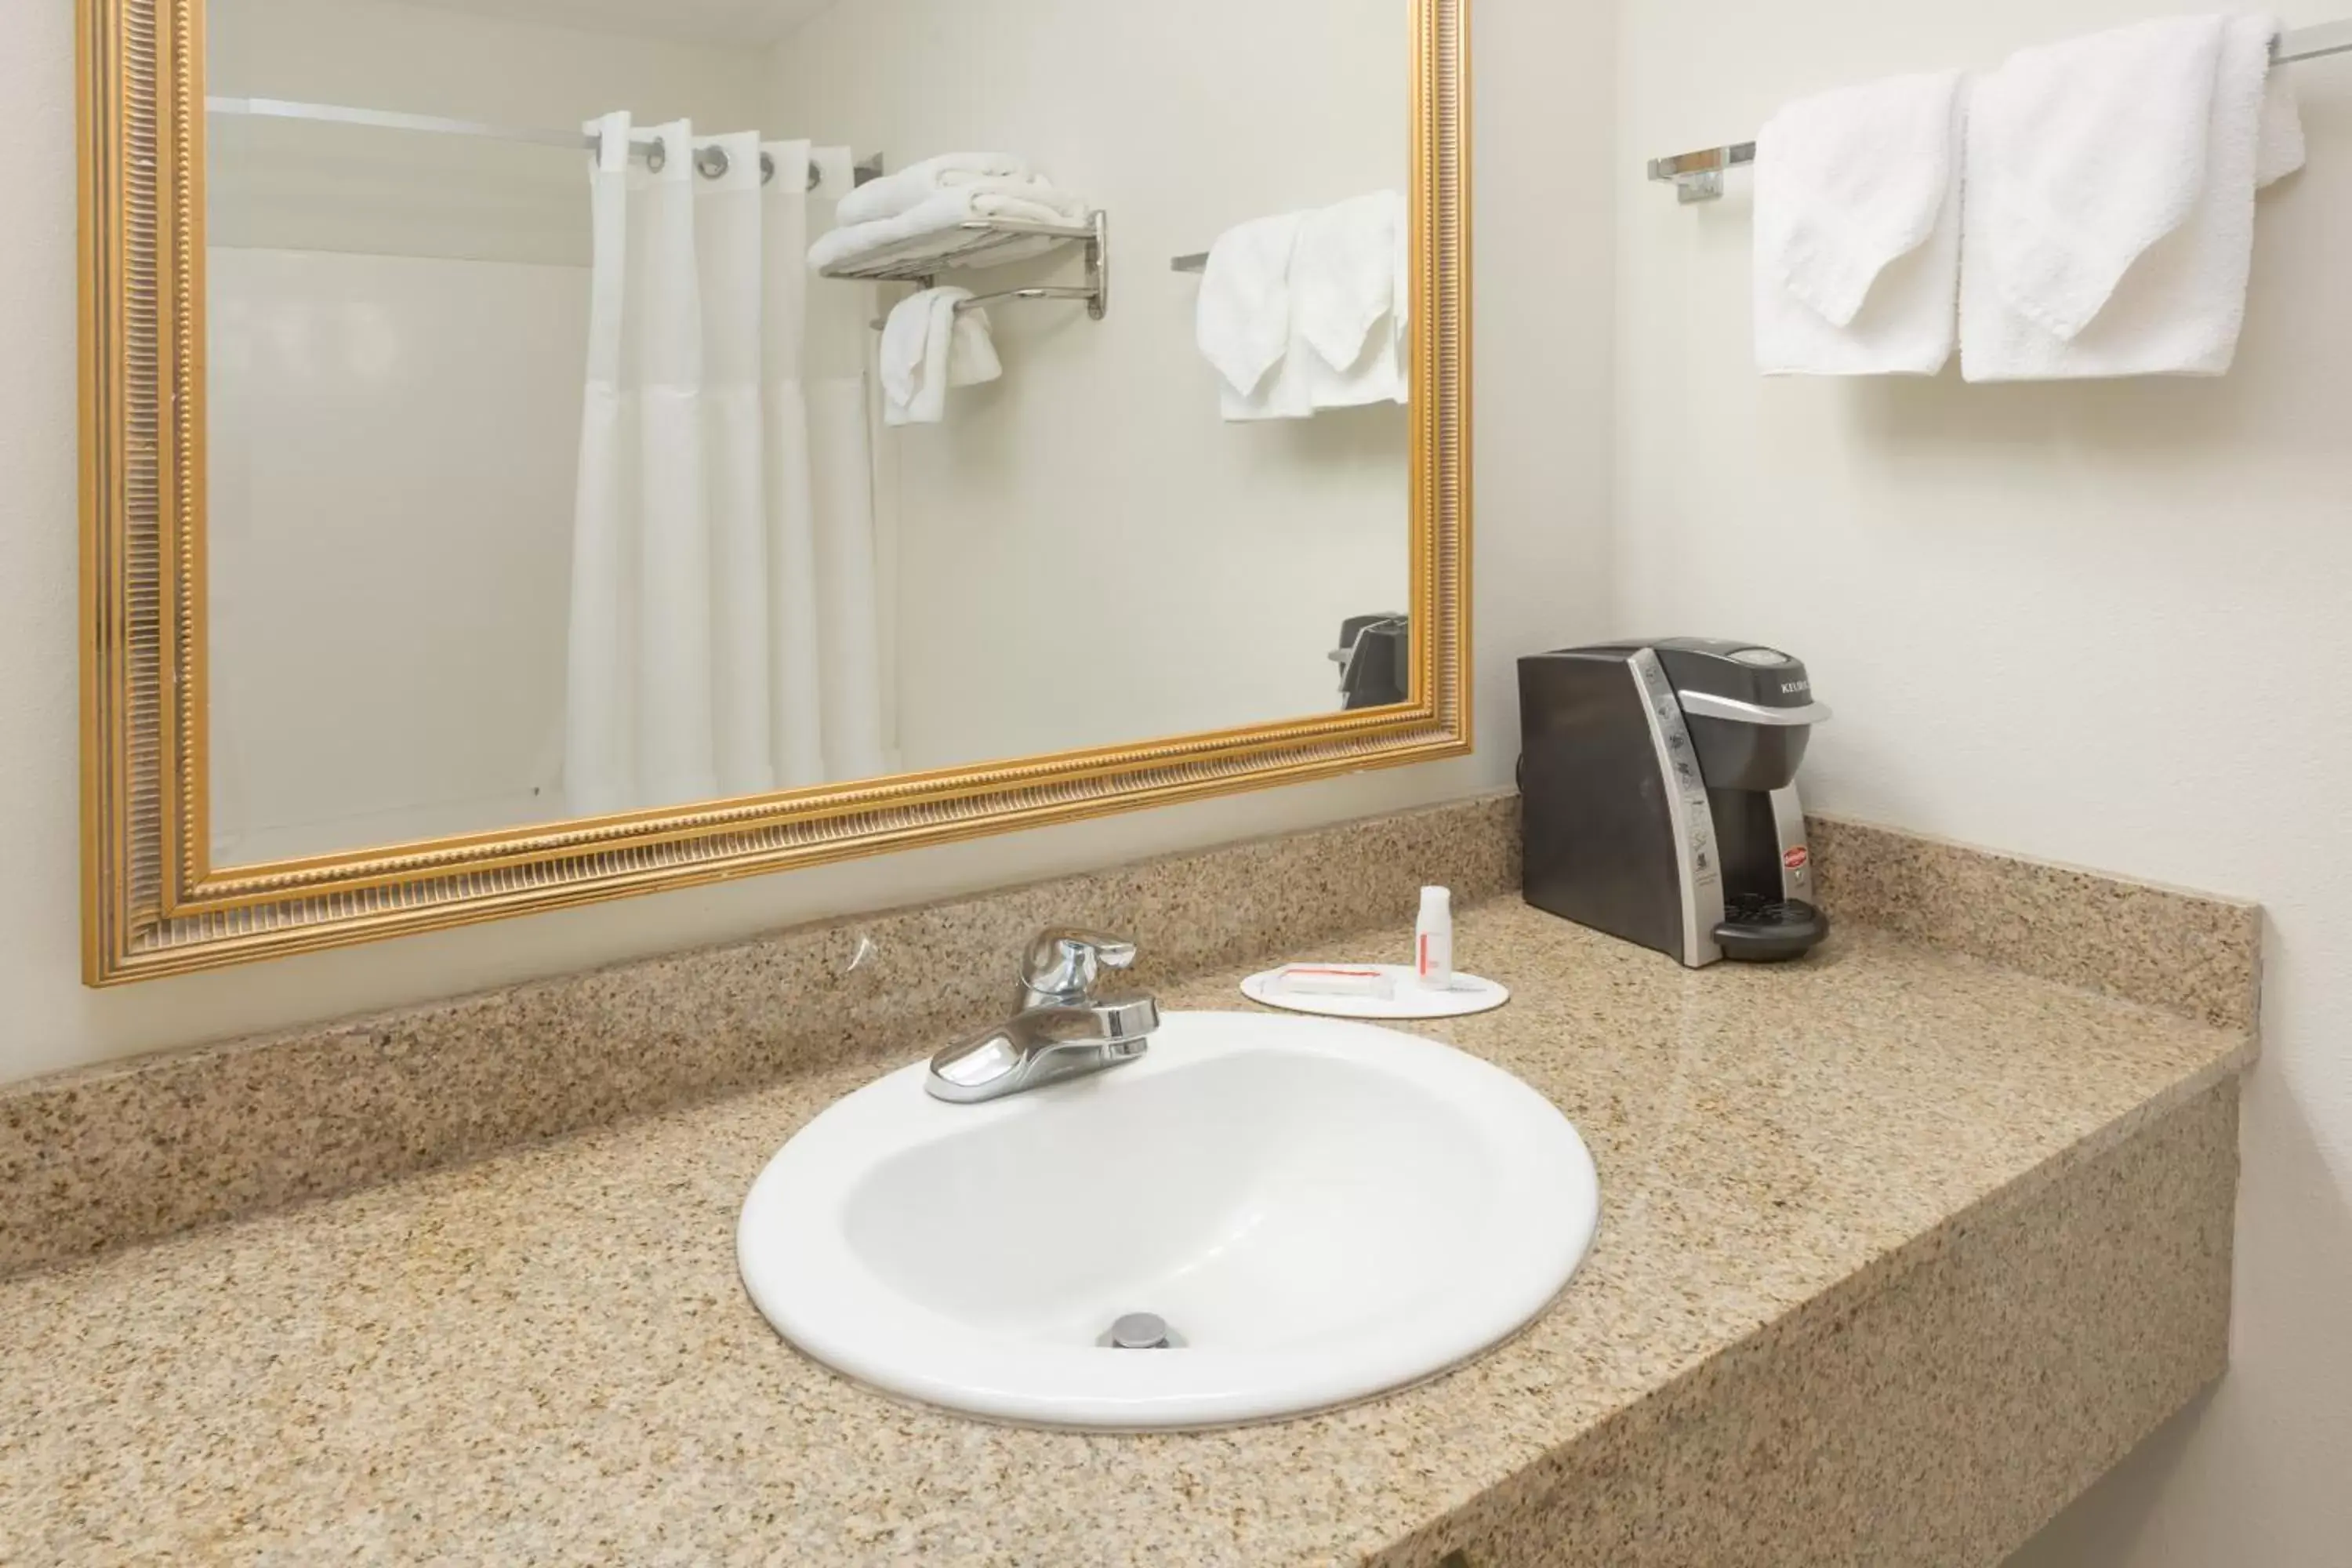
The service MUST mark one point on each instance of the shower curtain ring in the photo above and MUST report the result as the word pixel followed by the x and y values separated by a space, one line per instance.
pixel 657 155
pixel 711 162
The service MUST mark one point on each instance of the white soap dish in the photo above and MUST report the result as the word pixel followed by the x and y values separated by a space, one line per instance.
pixel 1469 994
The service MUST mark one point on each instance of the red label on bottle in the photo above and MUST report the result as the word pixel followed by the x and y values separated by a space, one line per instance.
pixel 1421 959
pixel 1794 859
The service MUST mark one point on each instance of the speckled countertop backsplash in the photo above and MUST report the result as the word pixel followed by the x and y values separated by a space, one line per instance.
pixel 2190 952
pixel 141 1149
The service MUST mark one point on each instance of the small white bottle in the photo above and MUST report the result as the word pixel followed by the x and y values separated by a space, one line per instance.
pixel 1433 941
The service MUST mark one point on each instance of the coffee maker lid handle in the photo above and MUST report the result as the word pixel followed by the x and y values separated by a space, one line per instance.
pixel 1707 705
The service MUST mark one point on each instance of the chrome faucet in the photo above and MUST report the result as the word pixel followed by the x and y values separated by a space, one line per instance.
pixel 1064 1029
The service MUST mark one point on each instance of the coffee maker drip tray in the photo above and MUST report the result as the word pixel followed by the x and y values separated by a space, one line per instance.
pixel 1765 930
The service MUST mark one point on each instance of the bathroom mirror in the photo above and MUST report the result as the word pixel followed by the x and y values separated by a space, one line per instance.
pixel 537 450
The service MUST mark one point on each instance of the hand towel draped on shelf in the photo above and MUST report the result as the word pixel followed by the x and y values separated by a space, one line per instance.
pixel 927 346
pixel 1304 312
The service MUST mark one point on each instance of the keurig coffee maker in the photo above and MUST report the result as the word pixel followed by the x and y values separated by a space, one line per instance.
pixel 1375 660
pixel 1659 782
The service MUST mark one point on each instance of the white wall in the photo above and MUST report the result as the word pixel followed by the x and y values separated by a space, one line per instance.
pixel 1088 526
pixel 2099 623
pixel 1543 124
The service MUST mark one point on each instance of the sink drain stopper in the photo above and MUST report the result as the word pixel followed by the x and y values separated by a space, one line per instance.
pixel 1139 1332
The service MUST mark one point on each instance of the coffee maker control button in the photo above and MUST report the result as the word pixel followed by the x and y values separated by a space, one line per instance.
pixel 1763 658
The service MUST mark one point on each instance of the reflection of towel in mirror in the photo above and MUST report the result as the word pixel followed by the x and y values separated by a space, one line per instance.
pixel 895 193
pixel 1341 307
pixel 1242 320
pixel 1303 384
pixel 1345 279
pixel 937 218
pixel 927 346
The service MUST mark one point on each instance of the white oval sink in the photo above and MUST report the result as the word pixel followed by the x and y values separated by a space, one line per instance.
pixel 1319 1210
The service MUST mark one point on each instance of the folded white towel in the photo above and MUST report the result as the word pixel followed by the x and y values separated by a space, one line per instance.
pixel 927 346
pixel 1241 319
pixel 1857 226
pixel 932 228
pixel 1344 277
pixel 2111 200
pixel 894 193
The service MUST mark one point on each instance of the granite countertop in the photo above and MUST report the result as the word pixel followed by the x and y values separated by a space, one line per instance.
pixel 547 1356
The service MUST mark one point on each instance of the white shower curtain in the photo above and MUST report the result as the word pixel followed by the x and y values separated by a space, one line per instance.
pixel 725 633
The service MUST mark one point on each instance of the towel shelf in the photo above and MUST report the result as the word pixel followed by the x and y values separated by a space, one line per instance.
pixel 983 242
pixel 1194 261
pixel 1699 176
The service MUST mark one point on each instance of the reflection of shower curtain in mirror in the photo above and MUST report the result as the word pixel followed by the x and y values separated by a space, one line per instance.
pixel 724 632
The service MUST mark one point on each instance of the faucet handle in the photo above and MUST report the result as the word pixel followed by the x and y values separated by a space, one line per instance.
pixel 1063 963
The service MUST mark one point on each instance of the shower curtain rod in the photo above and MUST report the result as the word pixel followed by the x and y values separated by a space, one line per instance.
pixel 1699 176
pixel 709 160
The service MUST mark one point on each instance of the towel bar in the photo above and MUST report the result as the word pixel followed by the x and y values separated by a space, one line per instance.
pixel 1699 176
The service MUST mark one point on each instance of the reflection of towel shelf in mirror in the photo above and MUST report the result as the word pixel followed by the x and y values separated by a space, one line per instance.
pixel 920 259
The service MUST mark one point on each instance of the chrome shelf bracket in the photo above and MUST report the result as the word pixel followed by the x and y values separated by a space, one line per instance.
pixel 1699 176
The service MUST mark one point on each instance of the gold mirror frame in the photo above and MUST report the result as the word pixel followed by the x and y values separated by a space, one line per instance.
pixel 152 902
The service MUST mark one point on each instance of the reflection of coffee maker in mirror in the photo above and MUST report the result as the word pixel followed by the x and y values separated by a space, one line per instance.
pixel 1661 797
pixel 1375 660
